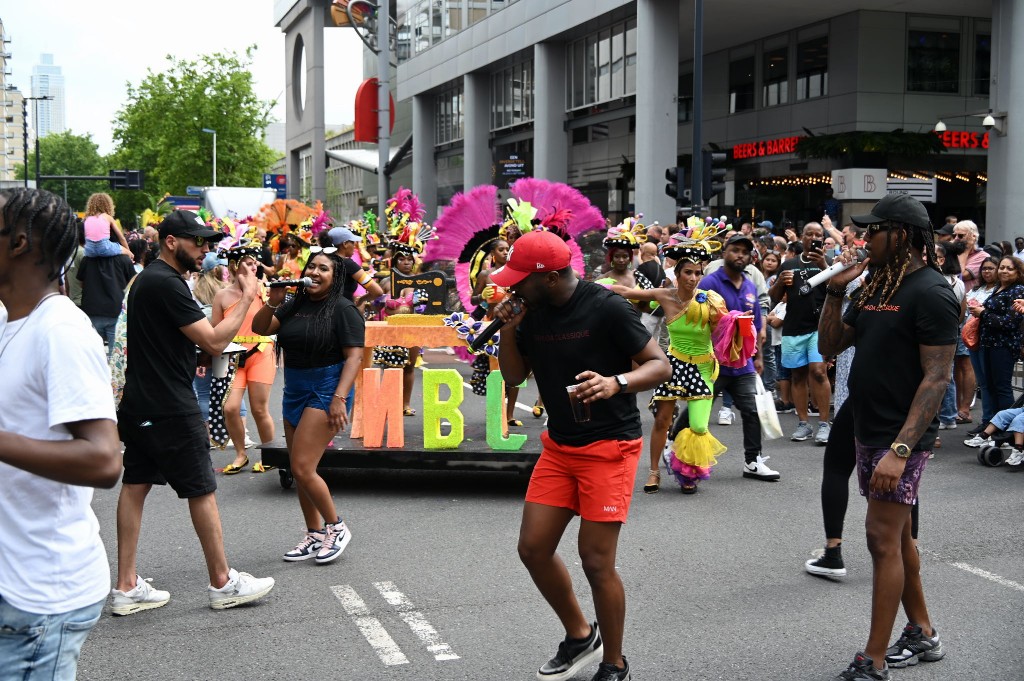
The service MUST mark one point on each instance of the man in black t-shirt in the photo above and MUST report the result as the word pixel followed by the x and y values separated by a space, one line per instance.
pixel 165 438
pixel 103 281
pixel 577 335
pixel 904 324
pixel 800 333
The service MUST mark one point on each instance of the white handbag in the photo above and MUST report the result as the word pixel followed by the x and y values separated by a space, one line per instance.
pixel 771 429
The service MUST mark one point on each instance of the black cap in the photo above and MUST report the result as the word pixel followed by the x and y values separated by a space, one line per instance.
pixel 187 223
pixel 945 230
pixel 741 239
pixel 902 208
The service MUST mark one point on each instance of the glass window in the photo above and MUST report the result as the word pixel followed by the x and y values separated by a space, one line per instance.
pixel 618 73
pixel 630 58
pixel 775 89
pixel 685 110
pixel 812 68
pixel 982 63
pixel 741 85
pixel 448 115
pixel 590 96
pixel 604 61
pixel 933 61
pixel 578 74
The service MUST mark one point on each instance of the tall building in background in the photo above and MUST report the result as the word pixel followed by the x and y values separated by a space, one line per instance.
pixel 47 81
pixel 12 119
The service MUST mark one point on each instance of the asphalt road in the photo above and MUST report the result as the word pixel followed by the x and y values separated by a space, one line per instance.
pixel 431 587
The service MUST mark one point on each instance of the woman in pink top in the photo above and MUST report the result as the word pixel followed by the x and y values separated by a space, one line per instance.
pixel 100 226
pixel 973 256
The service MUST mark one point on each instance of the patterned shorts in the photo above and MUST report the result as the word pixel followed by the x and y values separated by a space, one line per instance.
pixel 909 482
pixel 391 356
pixel 686 383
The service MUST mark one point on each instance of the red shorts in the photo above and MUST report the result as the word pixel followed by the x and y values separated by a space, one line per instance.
pixel 595 481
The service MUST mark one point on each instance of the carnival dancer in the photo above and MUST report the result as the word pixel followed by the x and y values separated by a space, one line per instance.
pixel 321 334
pixel 692 314
pixel 621 242
pixel 256 368
pixel 405 247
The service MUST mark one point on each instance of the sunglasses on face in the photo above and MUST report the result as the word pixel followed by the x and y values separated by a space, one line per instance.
pixel 876 228
pixel 320 249
pixel 199 240
pixel 959 236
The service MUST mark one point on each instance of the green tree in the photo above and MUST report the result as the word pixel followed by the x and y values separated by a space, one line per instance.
pixel 159 129
pixel 66 153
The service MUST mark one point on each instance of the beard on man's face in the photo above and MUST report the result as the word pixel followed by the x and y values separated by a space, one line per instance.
pixel 186 261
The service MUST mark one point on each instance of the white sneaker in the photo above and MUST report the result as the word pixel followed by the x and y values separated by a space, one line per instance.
pixel 142 597
pixel 759 470
pixel 980 440
pixel 241 588
pixel 336 538
pixel 249 444
pixel 1015 459
pixel 725 416
pixel 947 426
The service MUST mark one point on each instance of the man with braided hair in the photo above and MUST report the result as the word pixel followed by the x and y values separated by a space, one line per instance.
pixel 58 440
pixel 903 323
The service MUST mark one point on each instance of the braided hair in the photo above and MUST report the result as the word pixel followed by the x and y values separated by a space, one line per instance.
pixel 322 325
pixel 47 220
pixel 886 279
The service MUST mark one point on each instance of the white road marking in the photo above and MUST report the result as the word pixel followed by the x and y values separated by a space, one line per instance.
pixel 1003 581
pixel 371 628
pixel 416 621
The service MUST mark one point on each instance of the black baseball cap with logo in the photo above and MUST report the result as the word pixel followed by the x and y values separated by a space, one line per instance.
pixel 187 223
pixel 902 208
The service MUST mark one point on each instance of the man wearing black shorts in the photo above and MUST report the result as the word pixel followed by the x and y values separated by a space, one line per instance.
pixel 575 333
pixel 164 435
pixel 904 324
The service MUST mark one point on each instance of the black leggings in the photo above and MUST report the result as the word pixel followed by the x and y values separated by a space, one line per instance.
pixel 839 464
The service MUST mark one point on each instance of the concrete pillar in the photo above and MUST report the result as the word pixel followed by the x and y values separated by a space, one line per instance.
pixel 476 133
pixel 424 170
pixel 550 139
pixel 304 118
pixel 1005 171
pixel 657 86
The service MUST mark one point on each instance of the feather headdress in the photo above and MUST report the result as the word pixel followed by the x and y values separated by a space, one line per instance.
pixel 412 240
pixel 240 240
pixel 558 207
pixel 402 208
pixel 698 244
pixel 283 216
pixel 629 233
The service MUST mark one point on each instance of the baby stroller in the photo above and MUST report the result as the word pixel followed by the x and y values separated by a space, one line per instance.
pixel 996 454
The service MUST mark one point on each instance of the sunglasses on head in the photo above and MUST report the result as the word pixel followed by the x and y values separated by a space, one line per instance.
pixel 320 249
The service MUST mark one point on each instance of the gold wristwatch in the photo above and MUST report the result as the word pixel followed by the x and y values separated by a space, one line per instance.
pixel 902 450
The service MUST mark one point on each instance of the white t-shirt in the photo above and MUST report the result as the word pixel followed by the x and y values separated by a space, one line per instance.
pixel 55 372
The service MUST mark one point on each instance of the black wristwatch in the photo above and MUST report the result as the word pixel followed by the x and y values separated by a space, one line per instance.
pixel 623 383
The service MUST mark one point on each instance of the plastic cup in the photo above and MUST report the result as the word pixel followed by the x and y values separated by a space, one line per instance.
pixel 580 409
pixel 746 323
pixel 220 365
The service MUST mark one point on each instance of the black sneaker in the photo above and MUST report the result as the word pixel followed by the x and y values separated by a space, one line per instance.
pixel 863 669
pixel 830 564
pixel 784 407
pixel 912 646
pixel 609 672
pixel 572 655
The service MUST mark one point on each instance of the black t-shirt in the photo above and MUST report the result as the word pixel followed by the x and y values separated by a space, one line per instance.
pixel 161 359
pixel 802 311
pixel 297 336
pixel 886 370
pixel 653 276
pixel 596 330
pixel 103 281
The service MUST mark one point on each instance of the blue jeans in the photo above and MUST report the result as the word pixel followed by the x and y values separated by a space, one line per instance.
pixel 37 647
pixel 105 327
pixel 979 375
pixel 998 363
pixel 947 412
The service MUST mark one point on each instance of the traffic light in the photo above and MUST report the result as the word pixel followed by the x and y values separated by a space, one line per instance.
pixel 676 182
pixel 126 179
pixel 713 175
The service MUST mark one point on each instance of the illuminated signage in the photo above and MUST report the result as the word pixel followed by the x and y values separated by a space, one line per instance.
pixel 962 139
pixel 782 145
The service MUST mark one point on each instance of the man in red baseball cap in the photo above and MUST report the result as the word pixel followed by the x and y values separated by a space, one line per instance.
pixel 577 335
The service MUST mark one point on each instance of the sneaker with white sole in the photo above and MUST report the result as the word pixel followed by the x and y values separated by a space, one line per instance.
pixel 336 538
pixel 803 432
pixel 142 597
pixel 914 646
pixel 821 437
pixel 725 416
pixel 980 441
pixel 240 588
pixel 758 470
pixel 828 564
pixel 306 548
pixel 863 669
pixel 1015 461
pixel 947 426
pixel 573 655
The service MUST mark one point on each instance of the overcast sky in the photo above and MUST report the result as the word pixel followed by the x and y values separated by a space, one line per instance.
pixel 100 46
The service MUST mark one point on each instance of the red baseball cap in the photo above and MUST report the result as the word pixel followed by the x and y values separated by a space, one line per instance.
pixel 536 251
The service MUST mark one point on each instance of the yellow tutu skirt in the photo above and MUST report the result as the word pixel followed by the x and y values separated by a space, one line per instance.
pixel 698 449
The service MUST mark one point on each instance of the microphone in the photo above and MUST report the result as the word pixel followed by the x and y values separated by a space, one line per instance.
pixel 481 340
pixel 305 281
pixel 826 274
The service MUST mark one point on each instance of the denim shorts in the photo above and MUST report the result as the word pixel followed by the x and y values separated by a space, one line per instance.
pixel 37 647
pixel 309 388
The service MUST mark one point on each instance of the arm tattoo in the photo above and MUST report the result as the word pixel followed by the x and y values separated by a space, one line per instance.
pixel 834 335
pixel 936 361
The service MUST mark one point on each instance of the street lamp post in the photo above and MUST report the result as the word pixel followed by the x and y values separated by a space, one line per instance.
pixel 24 123
pixel 214 133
